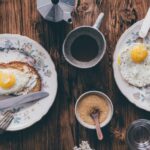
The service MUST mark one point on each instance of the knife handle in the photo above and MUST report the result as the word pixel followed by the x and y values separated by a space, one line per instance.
pixel 145 26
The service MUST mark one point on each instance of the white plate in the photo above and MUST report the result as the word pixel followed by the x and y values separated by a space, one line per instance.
pixel 27 115
pixel 138 96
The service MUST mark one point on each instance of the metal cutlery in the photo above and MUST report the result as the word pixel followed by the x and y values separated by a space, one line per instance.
pixel 10 103
pixel 144 28
pixel 18 100
pixel 5 121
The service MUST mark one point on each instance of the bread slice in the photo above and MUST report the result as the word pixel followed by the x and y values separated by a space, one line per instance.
pixel 20 66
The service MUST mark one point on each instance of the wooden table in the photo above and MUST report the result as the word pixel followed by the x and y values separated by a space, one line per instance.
pixel 59 130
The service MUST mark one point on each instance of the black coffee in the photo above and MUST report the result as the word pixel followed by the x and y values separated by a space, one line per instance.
pixel 84 48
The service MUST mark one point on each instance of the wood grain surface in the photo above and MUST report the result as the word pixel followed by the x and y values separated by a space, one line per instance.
pixel 59 130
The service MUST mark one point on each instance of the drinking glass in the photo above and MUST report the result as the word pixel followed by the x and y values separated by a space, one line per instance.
pixel 138 135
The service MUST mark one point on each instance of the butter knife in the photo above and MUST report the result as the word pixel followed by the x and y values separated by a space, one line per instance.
pixel 18 100
pixel 145 26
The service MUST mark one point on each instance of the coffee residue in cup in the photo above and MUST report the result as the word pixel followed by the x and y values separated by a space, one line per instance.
pixel 84 48
pixel 89 102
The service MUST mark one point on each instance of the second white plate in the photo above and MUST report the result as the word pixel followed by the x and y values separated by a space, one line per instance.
pixel 138 96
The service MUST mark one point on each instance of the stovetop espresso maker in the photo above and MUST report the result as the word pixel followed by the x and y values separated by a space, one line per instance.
pixel 56 10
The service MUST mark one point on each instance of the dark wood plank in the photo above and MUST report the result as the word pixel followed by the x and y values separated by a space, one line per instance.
pixel 59 130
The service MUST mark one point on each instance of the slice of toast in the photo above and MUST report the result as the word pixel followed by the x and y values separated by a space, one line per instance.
pixel 21 66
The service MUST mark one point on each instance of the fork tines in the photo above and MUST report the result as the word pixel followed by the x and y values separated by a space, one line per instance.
pixel 6 120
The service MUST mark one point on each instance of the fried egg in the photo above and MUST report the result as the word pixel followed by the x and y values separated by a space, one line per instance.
pixel 17 82
pixel 134 64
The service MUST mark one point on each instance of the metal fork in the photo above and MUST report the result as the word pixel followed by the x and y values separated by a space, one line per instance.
pixel 5 121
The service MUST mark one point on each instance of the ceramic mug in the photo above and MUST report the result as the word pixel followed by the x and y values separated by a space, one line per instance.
pixel 89 31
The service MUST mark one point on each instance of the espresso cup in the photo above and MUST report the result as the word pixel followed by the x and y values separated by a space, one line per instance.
pixel 85 46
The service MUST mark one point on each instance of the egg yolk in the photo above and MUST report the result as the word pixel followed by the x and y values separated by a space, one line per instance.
pixel 7 81
pixel 139 53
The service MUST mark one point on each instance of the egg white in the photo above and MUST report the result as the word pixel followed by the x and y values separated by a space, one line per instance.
pixel 136 74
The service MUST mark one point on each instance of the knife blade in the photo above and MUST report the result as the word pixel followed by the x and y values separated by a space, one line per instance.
pixel 18 100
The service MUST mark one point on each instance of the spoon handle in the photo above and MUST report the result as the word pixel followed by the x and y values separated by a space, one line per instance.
pixel 98 130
